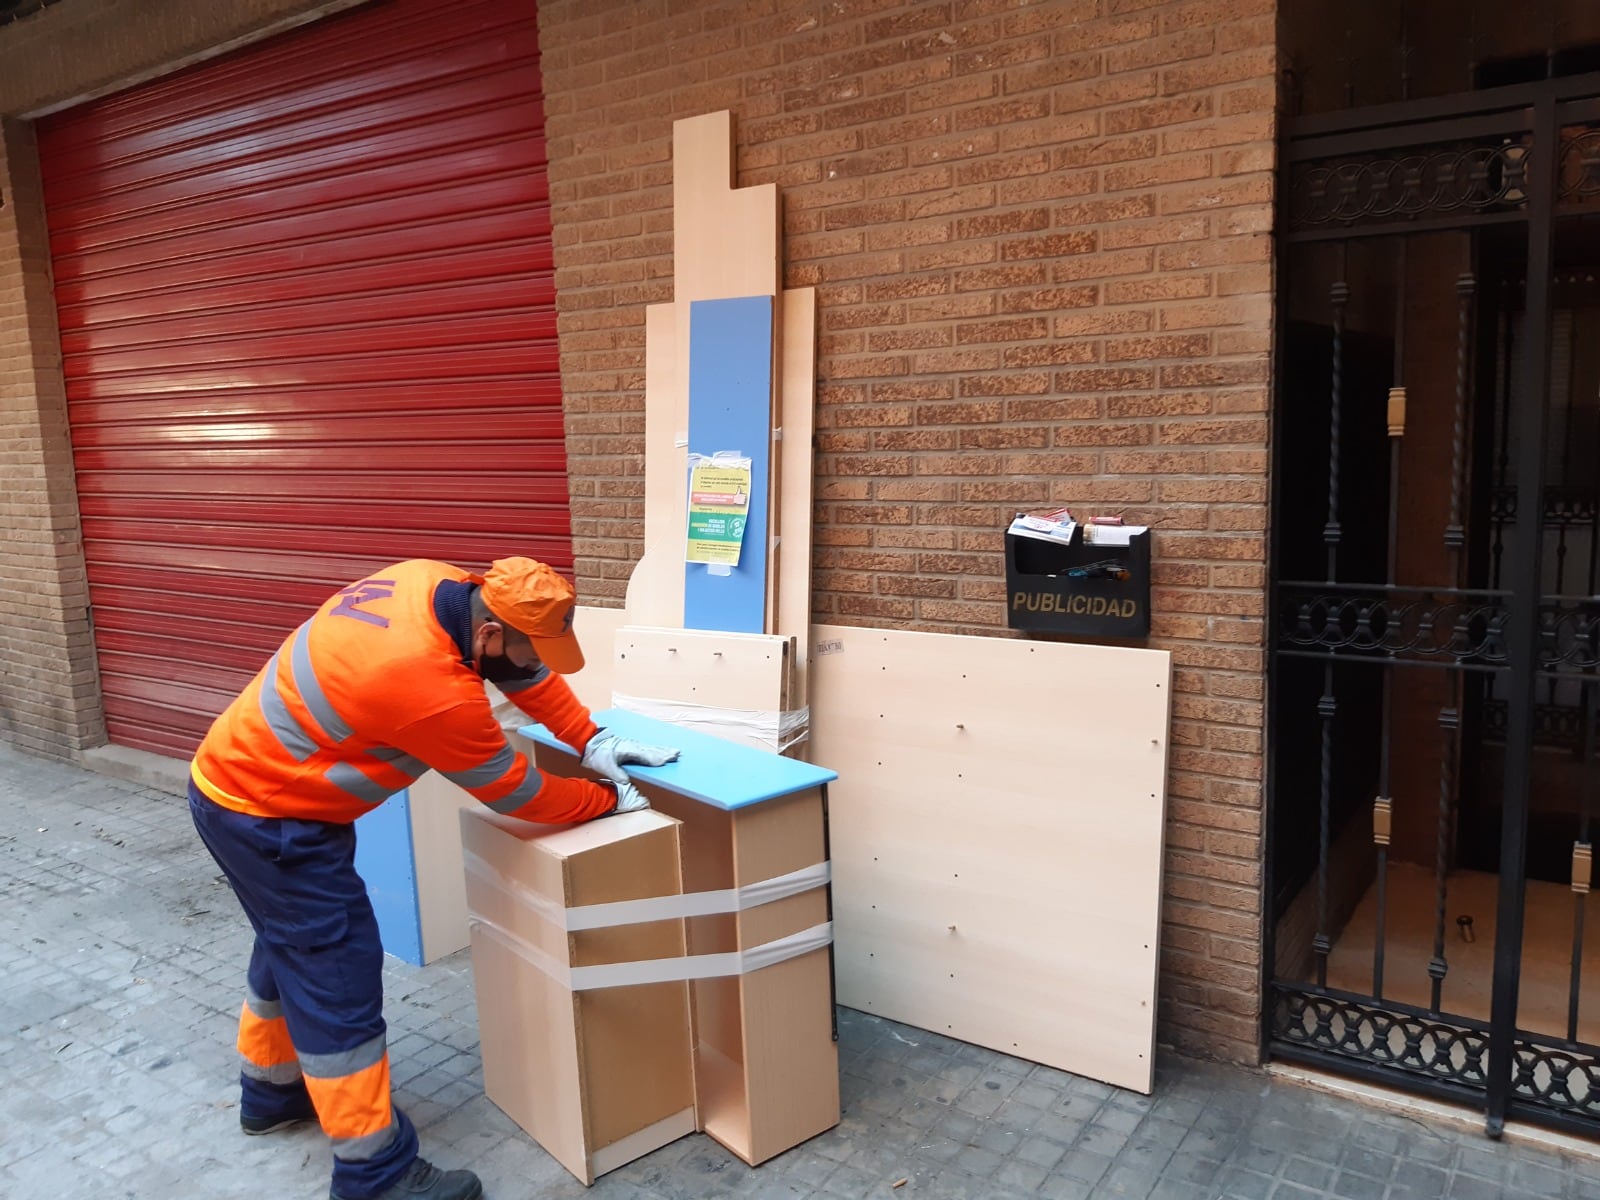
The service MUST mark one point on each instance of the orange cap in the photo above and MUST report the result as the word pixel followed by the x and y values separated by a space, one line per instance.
pixel 530 597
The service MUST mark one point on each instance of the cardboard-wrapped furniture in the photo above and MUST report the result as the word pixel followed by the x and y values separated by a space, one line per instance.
pixel 737 939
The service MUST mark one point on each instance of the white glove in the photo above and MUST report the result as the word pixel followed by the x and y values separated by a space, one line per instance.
pixel 630 799
pixel 607 753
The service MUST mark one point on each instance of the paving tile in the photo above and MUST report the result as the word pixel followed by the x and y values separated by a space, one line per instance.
pixel 122 956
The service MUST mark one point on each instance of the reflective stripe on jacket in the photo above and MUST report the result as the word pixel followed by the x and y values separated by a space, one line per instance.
pixel 369 694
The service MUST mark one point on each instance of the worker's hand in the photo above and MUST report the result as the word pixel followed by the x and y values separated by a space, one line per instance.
pixel 629 799
pixel 607 754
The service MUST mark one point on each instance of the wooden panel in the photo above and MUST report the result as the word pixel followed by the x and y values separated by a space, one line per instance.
pixel 725 239
pixel 730 409
pixel 997 836
pixel 527 1021
pixel 791 1061
pixel 729 670
pixel 766 1065
pixel 655 589
pixel 386 863
pixel 747 673
pixel 797 467
pixel 726 243
pixel 597 634
pixel 436 807
pixel 608 1067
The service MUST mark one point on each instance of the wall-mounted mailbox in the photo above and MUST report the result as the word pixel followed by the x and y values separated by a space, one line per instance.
pixel 1079 587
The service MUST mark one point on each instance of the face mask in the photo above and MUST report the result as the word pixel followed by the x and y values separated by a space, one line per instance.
pixel 497 666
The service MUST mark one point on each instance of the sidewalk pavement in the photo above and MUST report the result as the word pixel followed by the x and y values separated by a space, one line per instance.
pixel 122 960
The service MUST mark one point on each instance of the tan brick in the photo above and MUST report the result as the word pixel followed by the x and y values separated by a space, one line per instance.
pixel 1157 288
pixel 1062 67
pixel 991 225
pixel 1102 266
pixel 1046 299
pixel 1056 408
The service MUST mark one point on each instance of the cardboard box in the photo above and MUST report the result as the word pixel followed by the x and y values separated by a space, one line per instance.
pixel 598 1076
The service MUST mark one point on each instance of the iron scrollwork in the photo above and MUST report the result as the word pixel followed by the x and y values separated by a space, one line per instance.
pixel 1579 165
pixel 1556 726
pixel 1455 1052
pixel 1569 635
pixel 1402 624
pixel 1563 507
pixel 1564 1078
pixel 1428 181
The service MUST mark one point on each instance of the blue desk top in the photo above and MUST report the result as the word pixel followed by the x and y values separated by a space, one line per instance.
pixel 721 774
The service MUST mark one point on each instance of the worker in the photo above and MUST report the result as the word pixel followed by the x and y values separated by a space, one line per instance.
pixel 382 683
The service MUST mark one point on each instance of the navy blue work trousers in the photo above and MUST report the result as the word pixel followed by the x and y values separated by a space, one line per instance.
pixel 319 961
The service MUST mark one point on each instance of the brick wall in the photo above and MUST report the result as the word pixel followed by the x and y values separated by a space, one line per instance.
pixel 49 689
pixel 1040 238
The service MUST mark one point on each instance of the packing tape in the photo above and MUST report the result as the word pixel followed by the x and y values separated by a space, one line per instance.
pixel 652 908
pixel 778 730
pixel 659 970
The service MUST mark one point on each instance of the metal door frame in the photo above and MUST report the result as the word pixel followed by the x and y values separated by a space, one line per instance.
pixel 1494 1057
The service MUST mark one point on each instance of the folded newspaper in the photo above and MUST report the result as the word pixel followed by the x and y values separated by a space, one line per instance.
pixel 1112 535
pixel 1056 525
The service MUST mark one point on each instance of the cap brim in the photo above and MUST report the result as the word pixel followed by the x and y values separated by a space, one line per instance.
pixel 562 654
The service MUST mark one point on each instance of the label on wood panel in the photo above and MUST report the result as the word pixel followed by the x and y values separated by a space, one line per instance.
pixel 831 646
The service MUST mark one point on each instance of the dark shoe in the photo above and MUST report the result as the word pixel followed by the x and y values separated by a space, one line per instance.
pixel 295 1114
pixel 426 1182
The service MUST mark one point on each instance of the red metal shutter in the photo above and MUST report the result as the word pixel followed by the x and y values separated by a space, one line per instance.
pixel 307 312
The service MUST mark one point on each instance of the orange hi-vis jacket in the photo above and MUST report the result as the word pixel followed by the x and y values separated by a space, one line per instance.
pixel 366 696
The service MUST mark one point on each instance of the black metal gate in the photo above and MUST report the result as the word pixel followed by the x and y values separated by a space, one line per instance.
pixel 1436 629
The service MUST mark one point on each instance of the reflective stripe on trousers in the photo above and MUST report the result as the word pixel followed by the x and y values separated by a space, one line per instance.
pixel 265 1049
pixel 315 987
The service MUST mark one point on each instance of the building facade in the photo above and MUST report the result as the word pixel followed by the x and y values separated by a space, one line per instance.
pixel 1051 243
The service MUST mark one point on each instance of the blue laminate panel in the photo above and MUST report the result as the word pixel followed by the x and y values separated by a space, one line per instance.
pixel 387 864
pixel 721 774
pixel 730 408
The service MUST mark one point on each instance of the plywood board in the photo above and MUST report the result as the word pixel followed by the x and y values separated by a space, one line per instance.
pixel 597 634
pixel 730 410
pixel 797 388
pixel 745 677
pixel 726 243
pixel 725 240
pixel 655 589
pixel 791 1061
pixel 436 806
pixel 387 865
pixel 997 837
pixel 766 1065
pixel 601 1075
